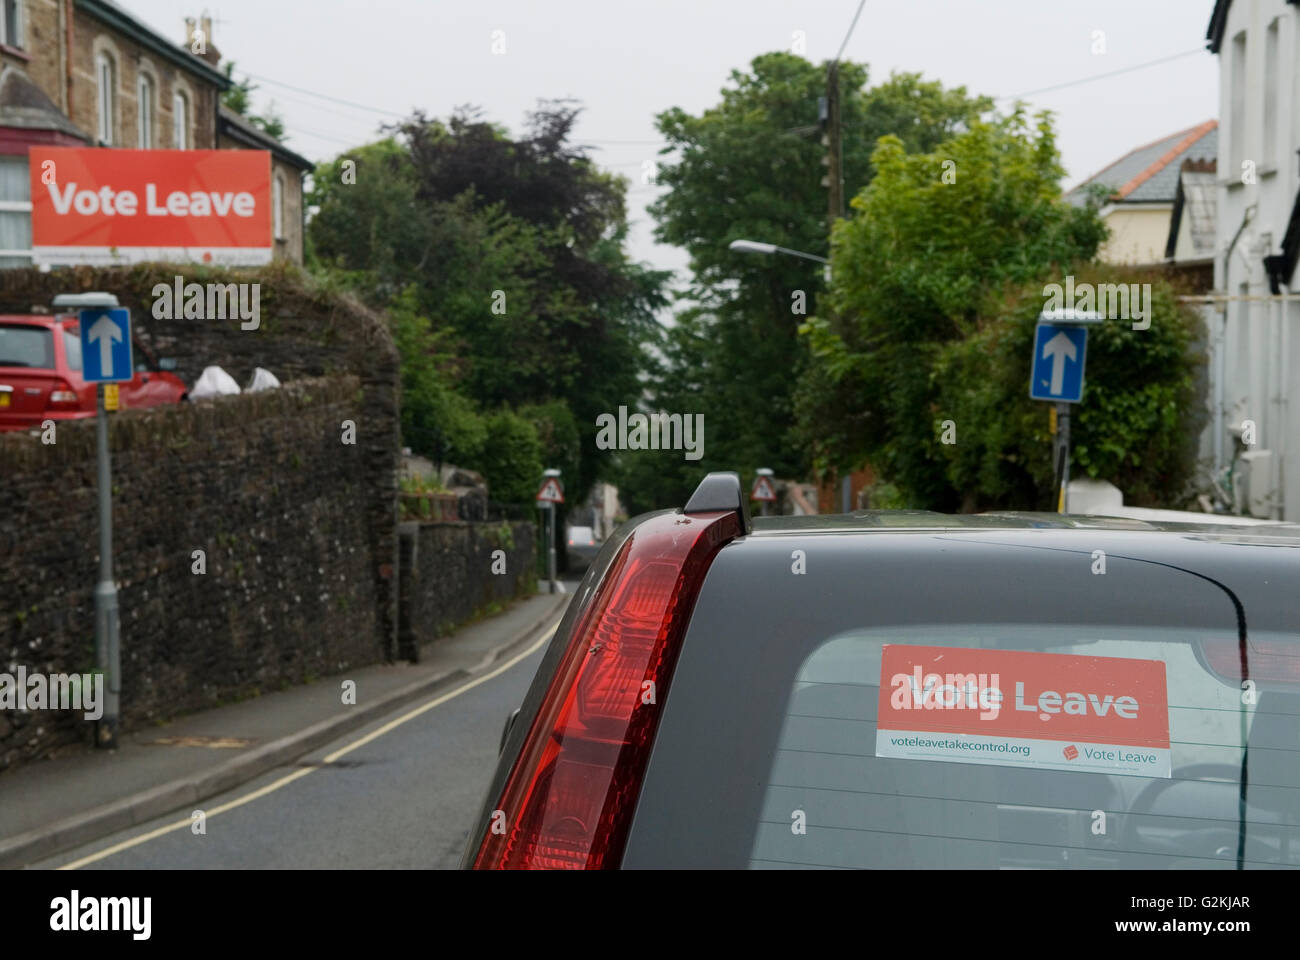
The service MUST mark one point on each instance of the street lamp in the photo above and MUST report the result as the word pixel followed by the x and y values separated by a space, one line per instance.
pixel 753 246
pixel 769 249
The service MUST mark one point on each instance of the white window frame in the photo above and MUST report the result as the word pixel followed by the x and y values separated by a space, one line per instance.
pixel 105 96
pixel 1239 77
pixel 16 40
pixel 17 206
pixel 277 204
pixel 145 114
pixel 1271 112
pixel 180 120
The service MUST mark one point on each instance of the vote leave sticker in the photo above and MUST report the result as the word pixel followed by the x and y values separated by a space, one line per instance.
pixel 1048 711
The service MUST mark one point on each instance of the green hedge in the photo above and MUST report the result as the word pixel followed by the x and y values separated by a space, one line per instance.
pixel 1136 426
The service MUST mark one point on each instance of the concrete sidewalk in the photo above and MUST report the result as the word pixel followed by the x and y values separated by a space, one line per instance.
pixel 51 806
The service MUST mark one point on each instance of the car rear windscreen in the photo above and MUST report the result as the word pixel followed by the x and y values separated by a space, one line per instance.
pixel 22 345
pixel 992 746
pixel 1024 746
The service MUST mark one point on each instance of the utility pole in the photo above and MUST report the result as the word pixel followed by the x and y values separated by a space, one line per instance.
pixel 834 155
pixel 834 182
pixel 831 120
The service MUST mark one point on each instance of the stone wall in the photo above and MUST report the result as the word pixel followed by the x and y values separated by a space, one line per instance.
pixel 448 576
pixel 299 529
pixel 261 483
pixel 304 331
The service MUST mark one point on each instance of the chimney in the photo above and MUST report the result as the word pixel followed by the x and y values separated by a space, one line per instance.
pixel 198 39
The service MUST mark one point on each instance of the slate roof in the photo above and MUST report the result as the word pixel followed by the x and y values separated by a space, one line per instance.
pixel 1197 201
pixel 1149 174
pixel 24 105
pixel 232 125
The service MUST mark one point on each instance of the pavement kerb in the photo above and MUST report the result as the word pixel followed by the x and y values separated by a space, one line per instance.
pixel 558 606
pixel 139 808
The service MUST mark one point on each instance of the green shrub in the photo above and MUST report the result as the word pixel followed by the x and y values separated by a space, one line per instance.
pixel 511 460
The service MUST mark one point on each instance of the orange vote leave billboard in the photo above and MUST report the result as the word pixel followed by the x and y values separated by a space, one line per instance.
pixel 98 205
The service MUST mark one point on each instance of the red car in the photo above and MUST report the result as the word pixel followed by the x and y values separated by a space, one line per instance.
pixel 40 374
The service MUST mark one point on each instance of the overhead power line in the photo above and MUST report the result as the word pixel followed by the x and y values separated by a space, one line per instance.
pixel 852 25
pixel 392 113
pixel 325 96
pixel 1102 76
pixel 647 143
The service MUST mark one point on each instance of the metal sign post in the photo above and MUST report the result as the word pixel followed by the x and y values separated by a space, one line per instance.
pixel 763 491
pixel 550 546
pixel 106 358
pixel 108 657
pixel 1063 457
pixel 550 494
pixel 548 531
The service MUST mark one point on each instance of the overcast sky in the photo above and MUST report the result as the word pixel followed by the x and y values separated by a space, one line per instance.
pixel 628 61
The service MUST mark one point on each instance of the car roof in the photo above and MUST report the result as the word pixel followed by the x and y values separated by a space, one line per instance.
pixel 900 521
pixel 35 319
pixel 720 491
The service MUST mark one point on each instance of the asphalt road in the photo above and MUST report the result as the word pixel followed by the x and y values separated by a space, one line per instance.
pixel 406 798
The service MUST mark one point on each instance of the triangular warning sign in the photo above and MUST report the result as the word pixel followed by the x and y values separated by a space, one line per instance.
pixel 550 492
pixel 763 489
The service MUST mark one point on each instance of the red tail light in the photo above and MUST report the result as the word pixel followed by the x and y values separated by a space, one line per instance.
pixel 569 800
pixel 62 397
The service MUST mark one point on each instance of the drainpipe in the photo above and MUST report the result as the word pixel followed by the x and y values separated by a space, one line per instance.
pixel 67 31
pixel 1277 441
pixel 1286 409
pixel 1219 361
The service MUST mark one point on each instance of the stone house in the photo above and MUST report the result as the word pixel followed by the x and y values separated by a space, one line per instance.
pixel 1142 188
pixel 89 73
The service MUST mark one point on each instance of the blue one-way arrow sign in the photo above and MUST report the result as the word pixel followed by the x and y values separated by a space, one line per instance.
pixel 106 345
pixel 1059 352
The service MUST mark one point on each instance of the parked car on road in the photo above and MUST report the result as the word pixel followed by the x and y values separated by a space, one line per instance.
pixel 40 374
pixel 911 689
pixel 582 548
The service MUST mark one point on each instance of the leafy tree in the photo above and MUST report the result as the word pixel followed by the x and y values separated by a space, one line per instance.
pixel 558 435
pixel 545 299
pixel 750 167
pixel 936 286
pixel 367 227
pixel 511 459
pixel 437 420
pixel 238 99
pixel 514 249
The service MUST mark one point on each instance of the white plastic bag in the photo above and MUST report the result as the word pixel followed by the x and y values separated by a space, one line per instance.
pixel 263 379
pixel 213 382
